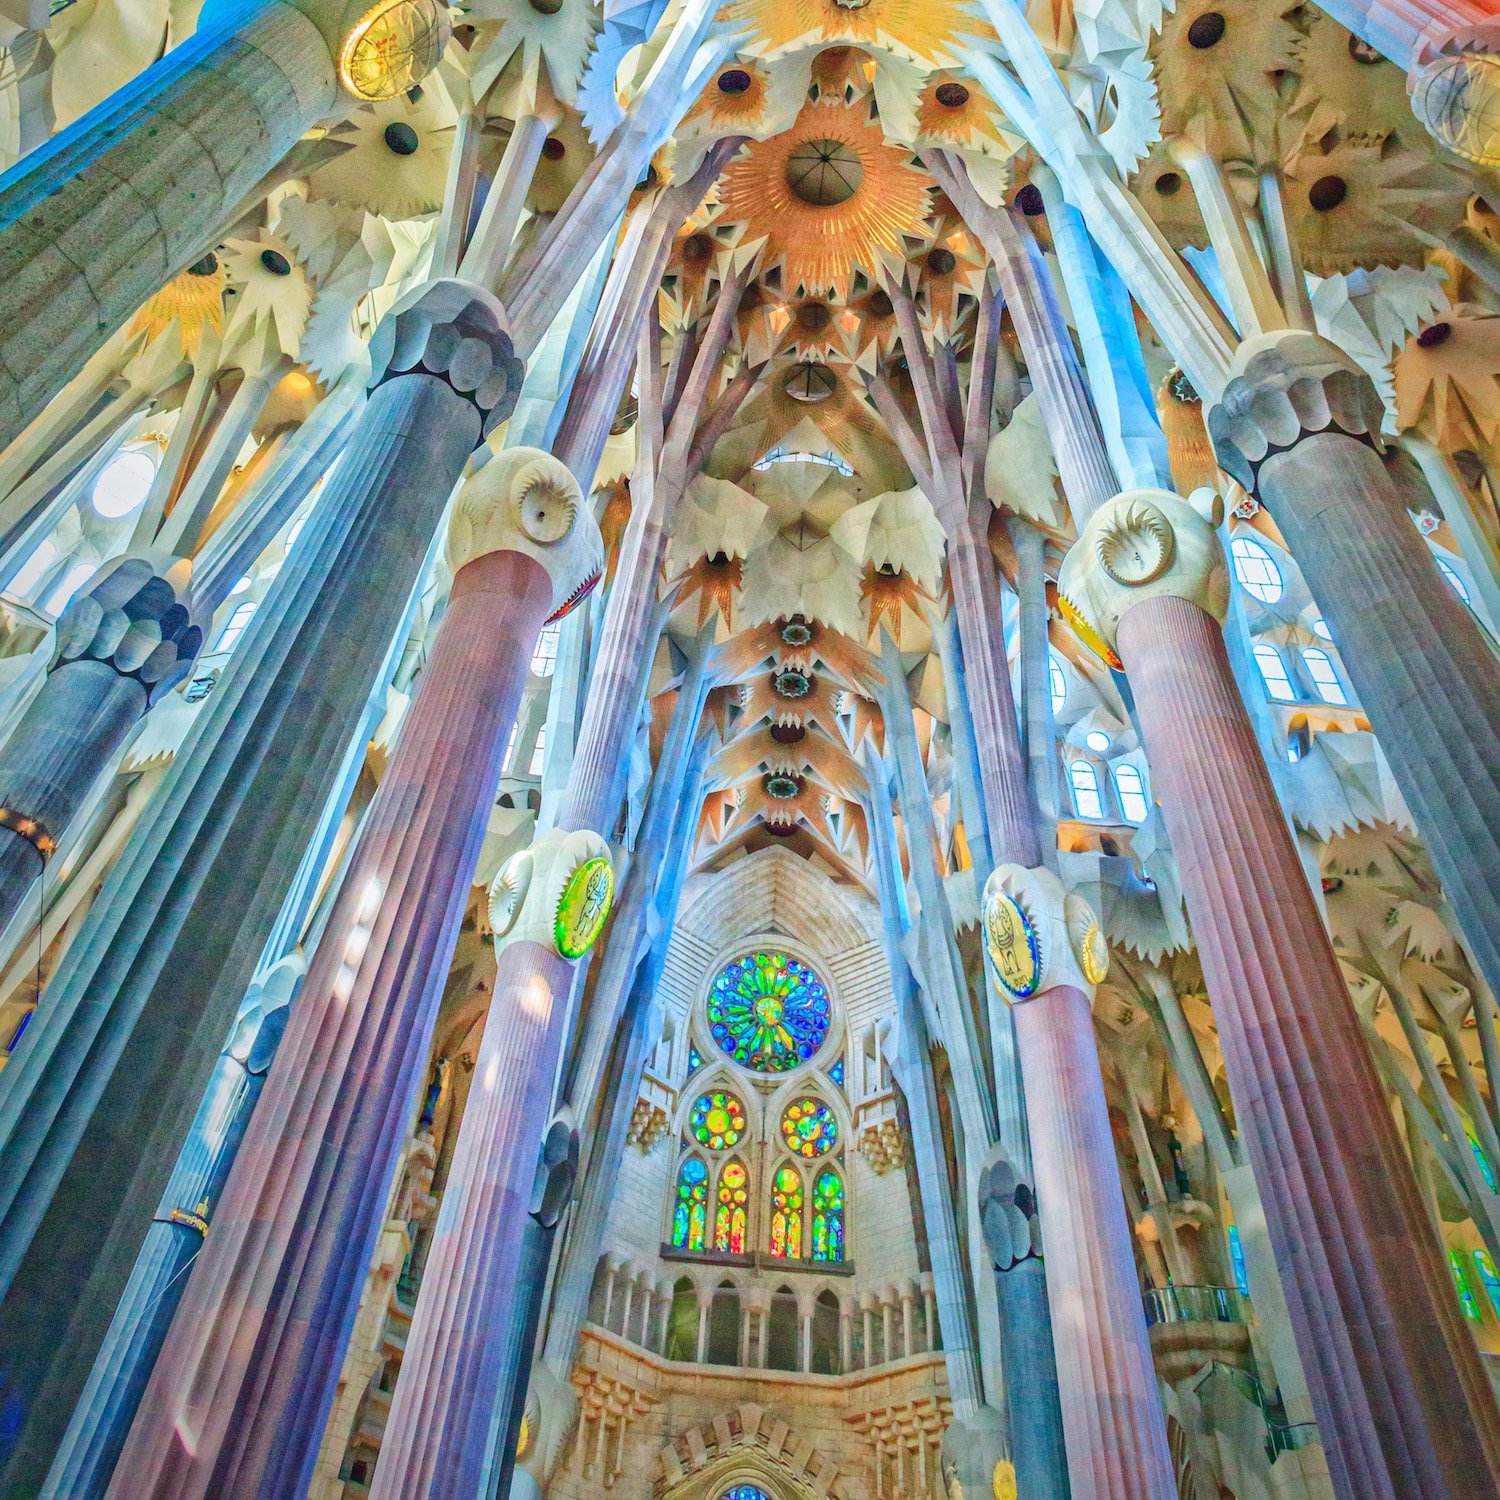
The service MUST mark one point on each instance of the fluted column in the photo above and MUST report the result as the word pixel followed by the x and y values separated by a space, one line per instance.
pixel 98 1097
pixel 1299 426
pixel 127 637
pixel 1047 953
pixel 1403 1407
pixel 241 1393
pixel 102 215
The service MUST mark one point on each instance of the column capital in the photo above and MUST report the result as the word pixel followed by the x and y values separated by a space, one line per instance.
pixel 557 893
pixel 1283 387
pixel 1142 545
pixel 525 500
pixel 1455 90
pixel 137 615
pixel 1038 935
pixel 458 333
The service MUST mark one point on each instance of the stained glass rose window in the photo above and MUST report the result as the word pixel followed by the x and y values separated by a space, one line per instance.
pixel 768 1012
pixel 717 1120
pixel 809 1128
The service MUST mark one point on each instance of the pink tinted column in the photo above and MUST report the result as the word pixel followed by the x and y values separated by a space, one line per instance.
pixel 240 1396
pixel 1403 1406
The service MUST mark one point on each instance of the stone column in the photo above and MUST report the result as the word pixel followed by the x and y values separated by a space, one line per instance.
pixel 128 637
pixel 1403 1407
pixel 241 1392
pixel 1299 427
pixel 99 1096
pixel 106 212
pixel 1047 952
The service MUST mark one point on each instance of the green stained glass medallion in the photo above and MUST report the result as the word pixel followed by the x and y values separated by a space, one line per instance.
pixel 717 1120
pixel 768 1012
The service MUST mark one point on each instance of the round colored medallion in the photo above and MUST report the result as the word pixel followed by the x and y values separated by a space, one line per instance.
pixel 768 1012
pixel 584 907
pixel 809 1128
pixel 1012 946
pixel 717 1120
pixel 1093 955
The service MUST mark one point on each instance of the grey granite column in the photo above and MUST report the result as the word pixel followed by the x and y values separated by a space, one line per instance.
pixel 126 638
pixel 1299 426
pixel 100 1094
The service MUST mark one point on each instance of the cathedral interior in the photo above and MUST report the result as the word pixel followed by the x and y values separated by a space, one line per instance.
pixel 749 750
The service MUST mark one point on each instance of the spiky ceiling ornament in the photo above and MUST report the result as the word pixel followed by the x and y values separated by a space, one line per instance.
pixel 1448 380
pixel 389 158
pixel 827 196
pixel 748 97
pixel 192 301
pixel 269 297
pixel 934 32
pixel 520 36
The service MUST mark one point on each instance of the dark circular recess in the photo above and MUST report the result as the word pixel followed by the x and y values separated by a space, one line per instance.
pixel 790 683
pixel 783 788
pixel 546 7
pixel 275 262
pixel 205 267
pixel 415 94
pixel 719 560
pixel 824 173
pixel 1437 333
pixel 698 247
pixel 951 95
pixel 1168 183
pixel 813 317
pixel 880 304
pixel 788 734
pixel 888 570
pixel 401 138
pixel 797 633
pixel 783 830
pixel 553 149
pixel 1362 52
pixel 1327 192
pixel 1029 201
pixel 733 81
pixel 1206 31
pixel 941 261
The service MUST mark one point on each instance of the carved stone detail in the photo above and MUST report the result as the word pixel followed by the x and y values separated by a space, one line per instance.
pixel 1142 545
pixel 525 500
pixel 1064 929
pixel 1284 387
pixel 137 615
pixel 550 863
pixel 458 333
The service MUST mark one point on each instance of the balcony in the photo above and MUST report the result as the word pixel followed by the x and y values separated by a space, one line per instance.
pixel 1193 1326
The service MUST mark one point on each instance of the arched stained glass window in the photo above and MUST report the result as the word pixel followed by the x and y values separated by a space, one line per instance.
pixel 1132 793
pixel 690 1217
pixel 768 1012
pixel 809 1128
pixel 1451 577
pixel 1486 1268
pixel 786 1214
pixel 1465 1296
pixel 237 624
pixel 1085 781
pixel 1320 668
pixel 745 1492
pixel 828 1216
pixel 1273 673
pixel 730 1215
pixel 717 1120
pixel 1256 570
pixel 1057 684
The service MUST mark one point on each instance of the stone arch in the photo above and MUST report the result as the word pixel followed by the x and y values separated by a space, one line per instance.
pixel 746 1445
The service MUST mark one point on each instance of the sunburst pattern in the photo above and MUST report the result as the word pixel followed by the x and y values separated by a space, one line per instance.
pixel 819 246
pixel 935 32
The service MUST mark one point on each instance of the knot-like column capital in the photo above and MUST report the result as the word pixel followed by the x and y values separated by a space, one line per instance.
pixel 1038 935
pixel 525 500
pixel 1142 545
pixel 557 893
pixel 458 333
pixel 1455 91
pixel 1284 387
pixel 1007 1212
pixel 136 614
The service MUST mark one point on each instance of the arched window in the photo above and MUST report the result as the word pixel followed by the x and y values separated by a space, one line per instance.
pixel 1325 679
pixel 783 1344
pixel 745 1492
pixel 828 1216
pixel 1461 1282
pixel 730 1215
pixel 544 657
pixel 1486 1268
pixel 825 1335
pixel 1273 674
pixel 236 625
pixel 690 1216
pixel 1450 573
pixel 1256 570
pixel 786 1214
pixel 1086 798
pixel 68 585
pixel 1131 790
pixel 1056 682
pixel 724 1326
pixel 538 753
pixel 682 1322
pixel 29 574
pixel 123 483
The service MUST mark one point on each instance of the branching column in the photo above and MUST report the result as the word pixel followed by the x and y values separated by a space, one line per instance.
pixel 100 1094
pixel 1403 1406
pixel 1298 425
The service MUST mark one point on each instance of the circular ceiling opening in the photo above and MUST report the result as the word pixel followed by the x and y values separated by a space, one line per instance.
pixel 401 138
pixel 205 267
pixel 734 81
pixel 553 149
pixel 698 247
pixel 788 734
pixel 1206 31
pixel 951 95
pixel 1168 183
pixel 1029 200
pixel 275 262
pixel 813 317
pixel 941 261
pixel 880 304
pixel 811 382
pixel 824 173
pixel 1327 193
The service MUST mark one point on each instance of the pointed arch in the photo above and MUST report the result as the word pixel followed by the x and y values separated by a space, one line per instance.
pixel 732 1209
pixel 690 1211
pixel 828 1215
pixel 786 1213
